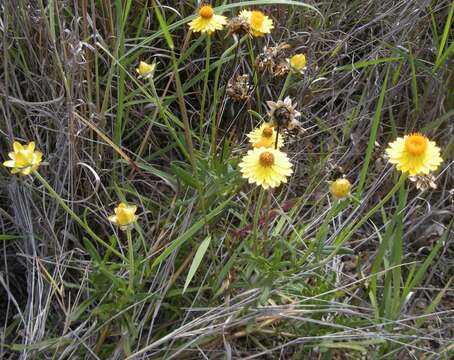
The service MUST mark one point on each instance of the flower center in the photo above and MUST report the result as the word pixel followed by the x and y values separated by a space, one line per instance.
pixel 267 132
pixel 416 144
pixel 257 18
pixel 206 11
pixel 266 159
pixel 23 158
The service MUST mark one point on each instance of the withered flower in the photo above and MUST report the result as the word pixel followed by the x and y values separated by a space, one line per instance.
pixel 274 60
pixel 423 182
pixel 238 88
pixel 239 25
pixel 283 114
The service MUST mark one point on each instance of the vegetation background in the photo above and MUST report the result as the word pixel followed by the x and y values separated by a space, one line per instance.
pixel 370 277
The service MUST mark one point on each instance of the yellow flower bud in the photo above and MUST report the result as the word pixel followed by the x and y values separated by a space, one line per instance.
pixel 125 216
pixel 146 70
pixel 24 158
pixel 298 62
pixel 340 188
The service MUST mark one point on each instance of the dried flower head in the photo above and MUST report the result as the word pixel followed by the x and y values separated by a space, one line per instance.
pixel 207 21
pixel 414 154
pixel 283 114
pixel 274 60
pixel 423 182
pixel 239 25
pixel 24 158
pixel 238 88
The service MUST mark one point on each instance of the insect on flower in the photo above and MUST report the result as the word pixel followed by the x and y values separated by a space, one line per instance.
pixel 24 158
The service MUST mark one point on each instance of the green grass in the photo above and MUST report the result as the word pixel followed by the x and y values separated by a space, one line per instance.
pixel 216 267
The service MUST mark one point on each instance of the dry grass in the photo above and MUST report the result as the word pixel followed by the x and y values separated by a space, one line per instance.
pixel 68 82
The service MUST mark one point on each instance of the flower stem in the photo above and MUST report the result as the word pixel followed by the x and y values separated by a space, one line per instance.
pixel 131 260
pixel 350 231
pixel 205 88
pixel 285 86
pixel 76 218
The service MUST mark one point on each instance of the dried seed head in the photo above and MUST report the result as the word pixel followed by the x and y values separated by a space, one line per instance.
pixel 283 114
pixel 239 25
pixel 238 88
pixel 274 60
pixel 424 182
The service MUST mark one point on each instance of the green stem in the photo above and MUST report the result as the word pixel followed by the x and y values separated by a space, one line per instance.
pixel 285 86
pixel 205 88
pixel 350 232
pixel 131 260
pixel 75 217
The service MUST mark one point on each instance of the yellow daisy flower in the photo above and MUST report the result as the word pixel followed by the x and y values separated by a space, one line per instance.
pixel 260 23
pixel 146 70
pixel 265 136
pixel 298 62
pixel 414 154
pixel 340 188
pixel 24 158
pixel 125 216
pixel 207 21
pixel 267 167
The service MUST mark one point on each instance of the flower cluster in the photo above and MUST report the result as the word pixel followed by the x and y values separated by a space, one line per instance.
pixel 255 23
pixel 266 164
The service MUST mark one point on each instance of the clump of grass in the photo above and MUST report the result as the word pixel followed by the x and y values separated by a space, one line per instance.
pixel 132 102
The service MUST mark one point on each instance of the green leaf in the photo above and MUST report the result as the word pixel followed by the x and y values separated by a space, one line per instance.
pixel 89 247
pixel 9 237
pixel 185 176
pixel 163 26
pixel 197 260
pixel 189 233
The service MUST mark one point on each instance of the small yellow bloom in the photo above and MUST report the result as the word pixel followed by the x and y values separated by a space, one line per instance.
pixel 260 23
pixel 265 136
pixel 125 216
pixel 267 167
pixel 207 21
pixel 298 62
pixel 340 188
pixel 146 70
pixel 24 158
pixel 414 154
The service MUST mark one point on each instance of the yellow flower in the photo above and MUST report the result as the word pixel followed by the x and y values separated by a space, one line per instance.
pixel 24 158
pixel 125 216
pixel 265 136
pixel 146 70
pixel 207 21
pixel 260 23
pixel 267 167
pixel 340 188
pixel 414 154
pixel 298 62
